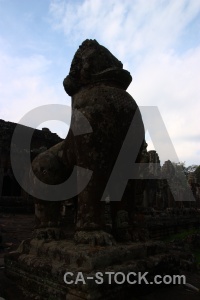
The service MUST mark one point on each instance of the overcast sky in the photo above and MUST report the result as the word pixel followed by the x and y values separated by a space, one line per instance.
pixel 158 42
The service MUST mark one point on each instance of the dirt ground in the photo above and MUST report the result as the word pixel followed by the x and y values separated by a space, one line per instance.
pixel 16 228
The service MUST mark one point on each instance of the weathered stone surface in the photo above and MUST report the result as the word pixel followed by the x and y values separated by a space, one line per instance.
pixel 39 268
pixel 97 83
pixel 49 168
pixel 12 197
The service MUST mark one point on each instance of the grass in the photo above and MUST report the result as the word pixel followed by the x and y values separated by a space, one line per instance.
pixel 181 235
pixel 197 256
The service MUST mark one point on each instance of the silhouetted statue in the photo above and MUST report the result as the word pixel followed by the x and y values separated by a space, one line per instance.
pixel 97 84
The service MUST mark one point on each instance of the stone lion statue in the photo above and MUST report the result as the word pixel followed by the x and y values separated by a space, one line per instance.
pixel 97 85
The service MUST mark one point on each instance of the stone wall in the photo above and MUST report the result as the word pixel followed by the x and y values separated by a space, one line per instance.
pixel 12 196
pixel 156 194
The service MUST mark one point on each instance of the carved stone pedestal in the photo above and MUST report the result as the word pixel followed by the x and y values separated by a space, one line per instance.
pixel 38 267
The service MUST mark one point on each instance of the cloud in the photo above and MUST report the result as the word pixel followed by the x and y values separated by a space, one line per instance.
pixel 148 36
pixel 172 84
pixel 152 39
pixel 126 27
pixel 24 85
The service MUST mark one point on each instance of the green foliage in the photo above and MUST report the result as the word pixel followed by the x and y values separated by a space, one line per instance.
pixel 181 235
pixel 197 256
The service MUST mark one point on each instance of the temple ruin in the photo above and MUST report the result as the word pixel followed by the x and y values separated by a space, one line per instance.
pixel 92 235
pixel 12 197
